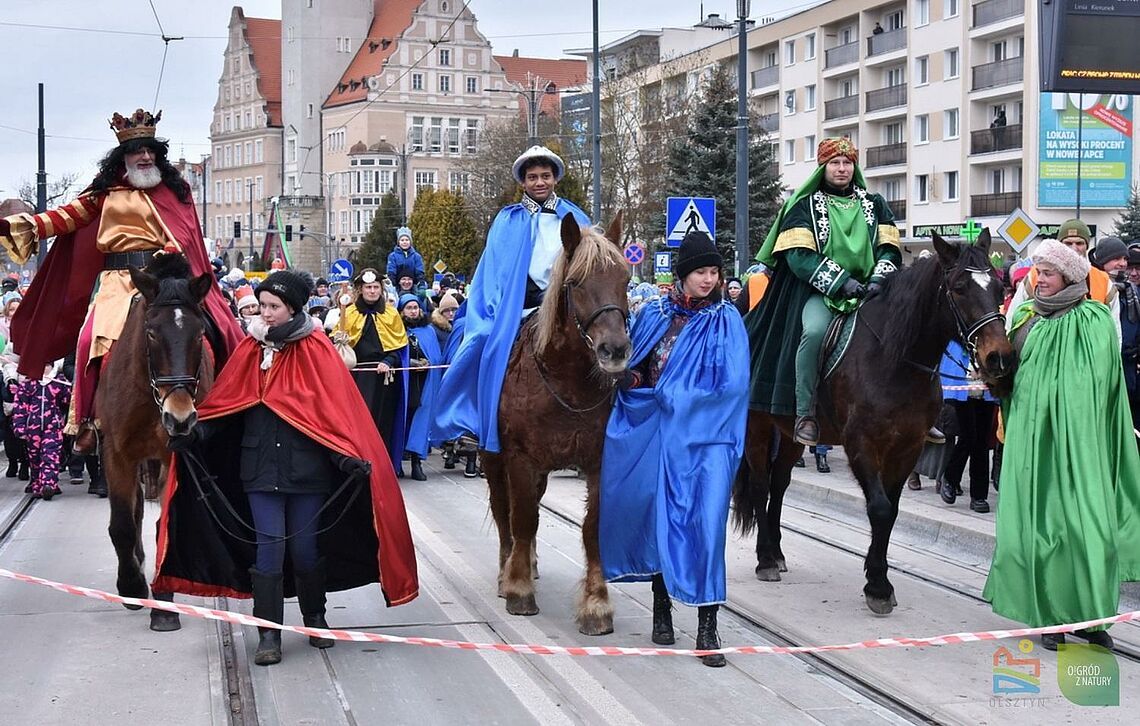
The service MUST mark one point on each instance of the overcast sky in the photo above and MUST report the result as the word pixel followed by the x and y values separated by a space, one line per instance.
pixel 96 57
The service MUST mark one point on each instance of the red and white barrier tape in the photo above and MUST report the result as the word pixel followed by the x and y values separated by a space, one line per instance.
pixel 530 649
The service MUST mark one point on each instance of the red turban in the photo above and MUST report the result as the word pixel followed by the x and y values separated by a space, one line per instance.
pixel 831 148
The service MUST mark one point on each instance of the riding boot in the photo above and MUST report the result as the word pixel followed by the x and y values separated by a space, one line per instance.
pixel 707 638
pixel 472 469
pixel 662 613
pixel 449 456
pixel 821 464
pixel 268 604
pixel 418 469
pixel 311 599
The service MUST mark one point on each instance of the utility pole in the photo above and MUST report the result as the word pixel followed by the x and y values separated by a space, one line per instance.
pixel 251 223
pixel 596 124
pixel 41 178
pixel 205 194
pixel 742 138
pixel 1080 145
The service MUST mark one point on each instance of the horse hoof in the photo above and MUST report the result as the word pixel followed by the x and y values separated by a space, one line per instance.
pixel 132 607
pixel 882 606
pixel 162 621
pixel 596 625
pixel 768 574
pixel 522 605
pixel 138 590
pixel 782 564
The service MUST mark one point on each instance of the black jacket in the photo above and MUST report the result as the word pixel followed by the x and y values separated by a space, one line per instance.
pixel 275 457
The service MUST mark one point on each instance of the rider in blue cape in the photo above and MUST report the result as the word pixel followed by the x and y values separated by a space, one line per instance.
pixel 509 283
pixel 673 444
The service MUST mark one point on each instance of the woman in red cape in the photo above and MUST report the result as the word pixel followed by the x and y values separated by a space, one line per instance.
pixel 273 388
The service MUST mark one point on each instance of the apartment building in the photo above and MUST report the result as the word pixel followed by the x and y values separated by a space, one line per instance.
pixel 939 95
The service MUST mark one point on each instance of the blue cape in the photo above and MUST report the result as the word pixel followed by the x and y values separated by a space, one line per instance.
pixel 421 420
pixel 469 392
pixel 671 454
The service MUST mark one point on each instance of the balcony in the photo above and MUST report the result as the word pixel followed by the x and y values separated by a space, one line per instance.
pixel 888 97
pixel 841 55
pixel 991 11
pixel 769 122
pixel 886 42
pixel 998 73
pixel 993 205
pixel 1001 138
pixel 898 208
pixel 886 155
pixel 769 76
pixel 841 107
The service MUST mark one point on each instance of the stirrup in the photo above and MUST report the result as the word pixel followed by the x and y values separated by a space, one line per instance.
pixel 806 431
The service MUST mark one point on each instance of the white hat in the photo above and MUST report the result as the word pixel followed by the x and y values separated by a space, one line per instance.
pixel 1073 267
pixel 538 152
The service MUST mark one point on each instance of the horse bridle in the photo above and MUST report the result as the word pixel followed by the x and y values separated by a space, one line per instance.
pixel 171 383
pixel 572 313
pixel 969 333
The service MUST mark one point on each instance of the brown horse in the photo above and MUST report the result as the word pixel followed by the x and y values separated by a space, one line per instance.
pixel 555 402
pixel 882 399
pixel 157 372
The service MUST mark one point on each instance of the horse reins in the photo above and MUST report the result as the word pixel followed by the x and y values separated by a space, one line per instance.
pixel 572 313
pixel 969 333
pixel 172 383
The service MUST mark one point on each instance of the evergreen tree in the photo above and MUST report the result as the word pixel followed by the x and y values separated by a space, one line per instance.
pixel 443 229
pixel 381 237
pixel 702 163
pixel 1128 223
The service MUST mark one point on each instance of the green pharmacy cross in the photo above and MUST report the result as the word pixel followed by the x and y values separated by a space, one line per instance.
pixel 971 231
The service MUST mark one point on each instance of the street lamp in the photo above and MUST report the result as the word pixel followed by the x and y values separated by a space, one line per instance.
pixel 533 95
pixel 742 8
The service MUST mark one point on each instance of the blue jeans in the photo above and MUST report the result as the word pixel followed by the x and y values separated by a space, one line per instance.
pixel 286 515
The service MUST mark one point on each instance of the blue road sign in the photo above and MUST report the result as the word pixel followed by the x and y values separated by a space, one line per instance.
pixel 686 214
pixel 634 253
pixel 340 271
pixel 662 262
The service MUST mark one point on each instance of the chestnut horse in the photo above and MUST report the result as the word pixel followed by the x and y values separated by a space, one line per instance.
pixel 553 411
pixel 881 400
pixel 159 369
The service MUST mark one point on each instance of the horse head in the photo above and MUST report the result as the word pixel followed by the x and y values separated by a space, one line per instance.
pixel 174 325
pixel 587 294
pixel 975 296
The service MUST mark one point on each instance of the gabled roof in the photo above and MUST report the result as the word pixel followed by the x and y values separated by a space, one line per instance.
pixel 264 38
pixel 564 73
pixel 390 18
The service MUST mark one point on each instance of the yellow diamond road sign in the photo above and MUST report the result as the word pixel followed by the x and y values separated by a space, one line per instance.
pixel 1018 229
pixel 440 266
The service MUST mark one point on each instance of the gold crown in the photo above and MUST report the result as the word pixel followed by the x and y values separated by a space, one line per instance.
pixel 139 125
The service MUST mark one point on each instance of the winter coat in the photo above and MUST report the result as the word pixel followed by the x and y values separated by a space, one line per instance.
pixel 398 258
pixel 40 410
pixel 277 458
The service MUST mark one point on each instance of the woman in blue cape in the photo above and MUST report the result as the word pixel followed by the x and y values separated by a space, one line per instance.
pixel 423 352
pixel 673 444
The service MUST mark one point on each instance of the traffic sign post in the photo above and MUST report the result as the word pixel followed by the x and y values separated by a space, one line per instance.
pixel 689 214
pixel 662 262
pixel 634 253
pixel 340 271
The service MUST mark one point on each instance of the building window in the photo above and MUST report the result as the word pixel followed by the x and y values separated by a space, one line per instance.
pixel 344 221
pixel 445 57
pixel 248 120
pixel 790 151
pixel 218 191
pixel 950 130
pixel 472 84
pixel 229 156
pixel 309 110
pixel 435 134
pixel 951 186
pixel 809 46
pixel 259 185
pixel 289 34
pixel 292 76
pixel 896 76
pixel 228 229
pixel 218 233
pixel 453 136
pixel 229 198
pixel 237 191
pixel 249 152
pixel 789 52
pixel 895 19
pixel 951 9
pixel 922 70
pixel 893 133
pixel 809 148
pixel 425 180
pixel 789 103
pixel 417 134
pixel 384 181
pixel 950 67
pixel 921 13
pixel 445 84
pixel 459 181
pixel 368 181
pixel 921 129
pixel 809 98
pixel 472 134
pixel 291 150
pixel 258 151
pixel 417 81
pixel 922 188
pixel 892 189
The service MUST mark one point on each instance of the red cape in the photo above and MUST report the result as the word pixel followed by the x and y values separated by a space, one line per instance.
pixel 309 387
pixel 46 325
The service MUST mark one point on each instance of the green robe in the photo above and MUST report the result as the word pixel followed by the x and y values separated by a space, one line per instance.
pixel 866 248
pixel 1068 521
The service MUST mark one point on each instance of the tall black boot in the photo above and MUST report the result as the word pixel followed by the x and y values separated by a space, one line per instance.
pixel 418 469
pixel 268 604
pixel 98 485
pixel 471 471
pixel 311 599
pixel 662 613
pixel 707 638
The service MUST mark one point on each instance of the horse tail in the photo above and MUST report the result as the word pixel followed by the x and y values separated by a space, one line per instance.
pixel 743 499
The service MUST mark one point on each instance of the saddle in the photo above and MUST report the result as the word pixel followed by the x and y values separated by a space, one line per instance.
pixel 836 341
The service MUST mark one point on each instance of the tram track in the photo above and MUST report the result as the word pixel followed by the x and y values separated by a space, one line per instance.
pixel 13 518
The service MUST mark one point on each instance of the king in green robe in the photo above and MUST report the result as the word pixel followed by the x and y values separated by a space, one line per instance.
pixel 831 241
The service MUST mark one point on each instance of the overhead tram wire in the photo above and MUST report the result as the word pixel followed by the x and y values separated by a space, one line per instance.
pixel 165 49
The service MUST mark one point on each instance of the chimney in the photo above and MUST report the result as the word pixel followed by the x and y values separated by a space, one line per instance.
pixel 515 54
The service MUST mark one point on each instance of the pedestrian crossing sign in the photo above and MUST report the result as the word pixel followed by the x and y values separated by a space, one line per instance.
pixel 688 214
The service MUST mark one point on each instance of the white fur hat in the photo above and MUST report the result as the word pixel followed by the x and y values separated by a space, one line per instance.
pixel 1072 266
pixel 538 152
pixel 245 297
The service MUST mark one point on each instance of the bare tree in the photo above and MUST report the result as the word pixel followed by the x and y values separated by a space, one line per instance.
pixel 59 191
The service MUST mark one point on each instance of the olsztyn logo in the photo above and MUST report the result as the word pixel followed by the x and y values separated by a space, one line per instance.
pixel 1016 674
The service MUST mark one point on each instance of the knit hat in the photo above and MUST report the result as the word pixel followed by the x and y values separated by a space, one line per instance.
pixel 1134 255
pixel 697 250
pixel 403 232
pixel 734 280
pixel 405 299
pixel 1074 228
pixel 404 272
pixel 1072 266
pixel 447 301
pixel 321 281
pixel 366 276
pixel 1108 249
pixel 292 287
pixel 245 297
pixel 538 152
pixel 320 301
pixel 833 147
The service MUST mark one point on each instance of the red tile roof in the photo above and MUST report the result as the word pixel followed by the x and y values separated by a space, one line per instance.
pixel 390 18
pixel 264 37
pixel 564 73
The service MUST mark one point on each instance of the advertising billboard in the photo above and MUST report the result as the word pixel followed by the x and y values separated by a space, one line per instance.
pixel 1085 46
pixel 1102 125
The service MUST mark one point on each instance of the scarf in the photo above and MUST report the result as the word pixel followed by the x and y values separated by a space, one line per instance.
pixel 276 338
pixel 689 306
pixel 1049 307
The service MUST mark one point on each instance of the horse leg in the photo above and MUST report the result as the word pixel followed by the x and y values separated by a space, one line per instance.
pixel 161 621
pixel 498 491
pixel 125 498
pixel 782 467
pixel 881 513
pixel 518 578
pixel 595 611
pixel 761 458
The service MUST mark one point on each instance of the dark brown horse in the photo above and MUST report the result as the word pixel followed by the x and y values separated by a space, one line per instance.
pixel 156 373
pixel 882 399
pixel 552 414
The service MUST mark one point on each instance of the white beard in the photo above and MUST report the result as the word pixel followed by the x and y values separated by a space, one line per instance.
pixel 147 178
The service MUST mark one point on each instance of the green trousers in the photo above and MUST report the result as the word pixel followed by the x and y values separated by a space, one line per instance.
pixel 816 316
